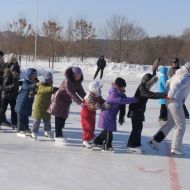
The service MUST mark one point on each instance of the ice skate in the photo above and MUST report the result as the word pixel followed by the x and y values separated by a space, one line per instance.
pixel 48 134
pixel 177 153
pixel 86 144
pixel 60 141
pixel 34 135
pixel 137 150
pixel 21 134
pixel 27 132
pixel 153 144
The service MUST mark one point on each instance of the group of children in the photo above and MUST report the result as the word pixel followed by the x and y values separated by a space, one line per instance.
pixel 40 94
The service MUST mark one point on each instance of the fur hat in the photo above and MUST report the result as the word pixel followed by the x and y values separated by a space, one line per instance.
pixel 95 88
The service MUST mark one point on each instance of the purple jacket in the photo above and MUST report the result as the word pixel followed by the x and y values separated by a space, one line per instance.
pixel 108 118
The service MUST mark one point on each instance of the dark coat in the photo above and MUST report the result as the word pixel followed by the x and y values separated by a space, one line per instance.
pixel 16 66
pixel 25 98
pixel 143 93
pixel 101 63
pixel 10 86
pixel 70 90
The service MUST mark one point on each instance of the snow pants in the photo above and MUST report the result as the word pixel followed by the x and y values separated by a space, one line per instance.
pixel 23 122
pixel 135 136
pixel 88 121
pixel 36 125
pixel 105 138
pixel 163 112
pixel 59 125
pixel 3 109
pixel 176 118
pixel 101 70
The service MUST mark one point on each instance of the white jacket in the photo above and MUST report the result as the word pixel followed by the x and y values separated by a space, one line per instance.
pixel 178 87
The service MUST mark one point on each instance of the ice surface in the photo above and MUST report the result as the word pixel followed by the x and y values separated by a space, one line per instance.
pixel 27 164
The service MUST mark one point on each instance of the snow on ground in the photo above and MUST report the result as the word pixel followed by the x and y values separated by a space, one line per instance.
pixel 89 66
pixel 27 164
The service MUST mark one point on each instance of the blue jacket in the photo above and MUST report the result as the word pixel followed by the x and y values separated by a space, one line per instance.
pixel 26 95
pixel 162 82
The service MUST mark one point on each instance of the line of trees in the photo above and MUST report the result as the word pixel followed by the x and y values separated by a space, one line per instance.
pixel 119 40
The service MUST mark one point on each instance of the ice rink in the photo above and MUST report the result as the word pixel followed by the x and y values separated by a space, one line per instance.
pixel 27 164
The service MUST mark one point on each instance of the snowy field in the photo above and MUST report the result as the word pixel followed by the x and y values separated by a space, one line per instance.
pixel 27 164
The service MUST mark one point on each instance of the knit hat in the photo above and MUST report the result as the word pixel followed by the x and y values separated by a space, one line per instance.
pixel 47 77
pixel 95 87
pixel 187 66
pixel 120 82
pixel 77 71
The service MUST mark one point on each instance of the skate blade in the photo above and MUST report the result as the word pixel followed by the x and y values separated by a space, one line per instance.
pixel 178 155
pixel 153 146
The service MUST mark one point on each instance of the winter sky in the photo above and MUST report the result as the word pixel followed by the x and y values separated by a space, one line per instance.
pixel 155 16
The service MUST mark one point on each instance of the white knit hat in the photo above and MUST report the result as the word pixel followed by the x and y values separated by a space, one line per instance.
pixel 95 87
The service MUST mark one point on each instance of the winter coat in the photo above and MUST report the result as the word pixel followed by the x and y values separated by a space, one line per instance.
pixel 92 102
pixel 162 82
pixel 42 101
pixel 178 87
pixel 12 64
pixel 70 90
pixel 10 86
pixel 143 93
pixel 108 118
pixel 172 71
pixel 101 63
pixel 25 98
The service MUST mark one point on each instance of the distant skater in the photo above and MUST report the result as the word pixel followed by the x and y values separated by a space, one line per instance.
pixel 101 63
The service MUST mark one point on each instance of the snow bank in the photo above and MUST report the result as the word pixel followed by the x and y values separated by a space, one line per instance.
pixel 89 67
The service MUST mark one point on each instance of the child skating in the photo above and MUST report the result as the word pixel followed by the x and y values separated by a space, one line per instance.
pixel 108 118
pixel 25 101
pixel 137 111
pixel 92 102
pixel 42 101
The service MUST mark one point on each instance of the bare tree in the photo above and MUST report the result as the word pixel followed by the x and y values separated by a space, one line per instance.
pixel 83 32
pixel 123 36
pixel 69 35
pixel 21 28
pixel 53 33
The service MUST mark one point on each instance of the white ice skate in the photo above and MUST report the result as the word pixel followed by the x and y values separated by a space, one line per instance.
pixel 60 141
pixel 153 144
pixel 86 144
pixel 175 152
pixel 48 134
pixel 34 135
pixel 21 134
pixel 135 150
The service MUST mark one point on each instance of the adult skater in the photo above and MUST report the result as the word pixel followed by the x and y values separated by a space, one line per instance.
pixel 178 89
pixel 137 110
pixel 175 66
pixel 70 90
pixel 101 63
pixel 2 64
pixel 162 88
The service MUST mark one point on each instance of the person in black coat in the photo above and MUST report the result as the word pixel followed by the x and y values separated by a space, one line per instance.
pixel 137 110
pixel 101 63
pixel 9 95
